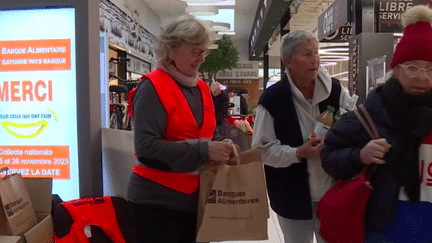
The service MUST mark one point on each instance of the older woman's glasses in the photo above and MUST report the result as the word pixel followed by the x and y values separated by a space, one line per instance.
pixel 412 71
pixel 198 52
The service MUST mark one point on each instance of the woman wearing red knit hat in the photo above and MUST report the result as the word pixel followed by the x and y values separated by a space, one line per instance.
pixel 400 207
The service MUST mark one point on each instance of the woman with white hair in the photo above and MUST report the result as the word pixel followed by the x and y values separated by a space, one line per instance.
pixel 282 131
pixel 174 126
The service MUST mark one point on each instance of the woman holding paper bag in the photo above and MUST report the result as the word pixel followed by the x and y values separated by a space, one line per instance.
pixel 400 206
pixel 174 126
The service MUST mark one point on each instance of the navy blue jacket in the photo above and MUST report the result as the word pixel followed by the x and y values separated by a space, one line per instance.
pixel 341 159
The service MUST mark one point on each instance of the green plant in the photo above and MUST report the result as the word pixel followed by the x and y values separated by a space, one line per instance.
pixel 222 58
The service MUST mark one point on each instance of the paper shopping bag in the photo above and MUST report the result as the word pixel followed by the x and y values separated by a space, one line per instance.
pixel 17 215
pixel 233 202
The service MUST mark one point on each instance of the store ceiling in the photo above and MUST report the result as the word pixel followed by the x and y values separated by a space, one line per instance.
pixel 304 16
pixel 245 11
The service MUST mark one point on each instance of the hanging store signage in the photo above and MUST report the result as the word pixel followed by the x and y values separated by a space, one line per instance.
pixel 390 12
pixel 38 95
pixel 336 16
pixel 343 34
pixel 244 70
pixel 235 81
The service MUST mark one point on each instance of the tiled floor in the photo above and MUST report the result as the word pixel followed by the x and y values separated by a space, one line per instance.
pixel 274 232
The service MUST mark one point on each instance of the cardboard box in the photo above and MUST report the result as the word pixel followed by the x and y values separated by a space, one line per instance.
pixel 39 190
pixel 42 232
pixel 11 239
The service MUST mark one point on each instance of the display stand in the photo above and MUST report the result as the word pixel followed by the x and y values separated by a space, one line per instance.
pixel 118 160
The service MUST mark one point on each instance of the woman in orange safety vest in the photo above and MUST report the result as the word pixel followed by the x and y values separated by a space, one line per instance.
pixel 174 136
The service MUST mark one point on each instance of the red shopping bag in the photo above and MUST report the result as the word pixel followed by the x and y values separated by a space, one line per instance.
pixel 342 209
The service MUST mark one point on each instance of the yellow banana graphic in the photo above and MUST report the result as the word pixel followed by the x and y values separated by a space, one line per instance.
pixel 8 124
pixel 55 116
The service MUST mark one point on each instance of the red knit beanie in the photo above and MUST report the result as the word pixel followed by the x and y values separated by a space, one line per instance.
pixel 416 42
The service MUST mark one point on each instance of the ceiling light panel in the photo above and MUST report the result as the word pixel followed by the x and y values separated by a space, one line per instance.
pixel 224 16
pixel 218 3
pixel 202 1
pixel 226 32
pixel 220 26
pixel 201 10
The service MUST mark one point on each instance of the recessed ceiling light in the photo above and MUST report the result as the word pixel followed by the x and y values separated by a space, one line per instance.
pixel 324 64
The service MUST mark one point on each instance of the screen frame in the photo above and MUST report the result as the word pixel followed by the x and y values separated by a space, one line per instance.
pixel 88 86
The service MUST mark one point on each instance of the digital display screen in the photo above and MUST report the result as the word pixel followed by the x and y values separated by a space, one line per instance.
pixel 38 104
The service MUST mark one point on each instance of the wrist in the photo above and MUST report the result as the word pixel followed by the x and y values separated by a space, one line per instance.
pixel 298 154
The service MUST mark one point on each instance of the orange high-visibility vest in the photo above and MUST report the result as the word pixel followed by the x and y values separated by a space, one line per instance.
pixel 97 211
pixel 181 125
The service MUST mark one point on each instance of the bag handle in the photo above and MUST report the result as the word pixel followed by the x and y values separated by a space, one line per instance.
pixel 368 124
pixel 236 154
pixel 370 127
pixel 6 170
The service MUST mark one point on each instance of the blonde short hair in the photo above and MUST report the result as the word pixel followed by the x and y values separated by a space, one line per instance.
pixel 185 29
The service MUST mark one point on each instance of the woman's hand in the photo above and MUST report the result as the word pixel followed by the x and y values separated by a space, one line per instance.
pixel 220 151
pixel 374 151
pixel 311 149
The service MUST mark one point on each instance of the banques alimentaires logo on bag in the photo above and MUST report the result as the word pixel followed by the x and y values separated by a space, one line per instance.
pixel 15 206
pixel 226 197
